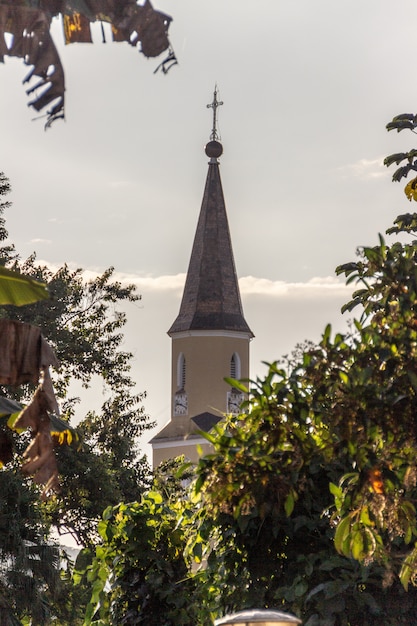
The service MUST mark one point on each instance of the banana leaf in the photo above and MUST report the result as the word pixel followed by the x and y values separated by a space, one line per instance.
pixel 17 289
pixel 60 430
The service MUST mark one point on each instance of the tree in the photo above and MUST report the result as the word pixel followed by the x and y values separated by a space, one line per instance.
pixel 307 502
pixel 312 493
pixel 82 322
pixel 140 574
pixel 29 561
pixel 83 325
pixel 14 288
pixel 7 252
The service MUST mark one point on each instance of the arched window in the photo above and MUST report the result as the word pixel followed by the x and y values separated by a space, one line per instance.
pixel 180 396
pixel 235 397
pixel 181 372
pixel 235 371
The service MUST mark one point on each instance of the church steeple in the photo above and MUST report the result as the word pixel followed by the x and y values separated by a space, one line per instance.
pixel 211 299
pixel 210 337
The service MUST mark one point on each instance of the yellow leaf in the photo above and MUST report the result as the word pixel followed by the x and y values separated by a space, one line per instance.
pixel 410 189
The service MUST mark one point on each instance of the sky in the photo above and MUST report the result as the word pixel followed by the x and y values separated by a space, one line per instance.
pixel 308 87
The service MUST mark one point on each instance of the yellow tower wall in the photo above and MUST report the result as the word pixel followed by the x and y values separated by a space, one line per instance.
pixel 207 362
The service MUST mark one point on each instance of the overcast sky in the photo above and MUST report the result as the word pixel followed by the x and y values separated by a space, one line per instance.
pixel 307 86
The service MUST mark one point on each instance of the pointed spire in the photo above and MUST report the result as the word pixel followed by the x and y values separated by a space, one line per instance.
pixel 211 298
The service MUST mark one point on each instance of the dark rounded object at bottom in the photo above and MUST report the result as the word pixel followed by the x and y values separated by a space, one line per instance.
pixel 214 149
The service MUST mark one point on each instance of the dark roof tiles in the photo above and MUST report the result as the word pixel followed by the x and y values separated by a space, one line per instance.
pixel 211 298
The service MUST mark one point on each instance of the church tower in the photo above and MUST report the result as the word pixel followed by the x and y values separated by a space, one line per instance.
pixel 210 337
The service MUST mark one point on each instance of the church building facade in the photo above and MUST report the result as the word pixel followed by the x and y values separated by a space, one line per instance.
pixel 210 337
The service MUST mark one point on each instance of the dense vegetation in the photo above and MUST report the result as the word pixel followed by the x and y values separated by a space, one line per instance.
pixel 82 322
pixel 307 502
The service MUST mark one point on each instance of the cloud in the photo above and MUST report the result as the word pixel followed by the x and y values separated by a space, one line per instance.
pixel 173 282
pixel 365 168
pixel 40 240
pixel 249 285
pixel 316 287
pixel 313 288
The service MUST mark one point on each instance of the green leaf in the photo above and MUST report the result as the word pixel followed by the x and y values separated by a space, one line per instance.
pixel 155 496
pixel 326 334
pixel 408 569
pixel 347 268
pixel 344 377
pixel 18 290
pixel 364 516
pixel 357 545
pixel 395 158
pixel 237 384
pixel 289 504
pixel 341 535
pixel 335 490
pixel 300 589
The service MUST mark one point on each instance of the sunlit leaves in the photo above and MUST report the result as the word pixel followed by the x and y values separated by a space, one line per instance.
pixel 83 324
pixel 408 572
pixel 307 500
pixel 139 574
pixel 20 290
pixel 326 451
pixel 410 189
pixel 355 539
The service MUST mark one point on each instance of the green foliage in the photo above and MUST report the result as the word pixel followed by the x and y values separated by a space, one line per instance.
pixel 172 479
pixel 308 500
pixel 8 252
pixel 83 324
pixel 139 574
pixel 20 290
pixel 405 121
pixel 29 567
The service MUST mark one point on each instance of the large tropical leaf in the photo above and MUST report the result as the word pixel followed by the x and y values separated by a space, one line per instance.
pixel 18 289
pixel 29 26
pixel 8 407
pixel 61 431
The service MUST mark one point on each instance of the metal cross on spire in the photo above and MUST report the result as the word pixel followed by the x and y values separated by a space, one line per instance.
pixel 214 105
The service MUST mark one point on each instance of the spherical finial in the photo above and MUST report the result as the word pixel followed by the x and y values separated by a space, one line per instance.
pixel 214 149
